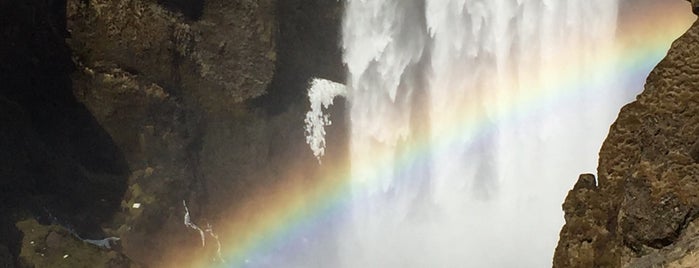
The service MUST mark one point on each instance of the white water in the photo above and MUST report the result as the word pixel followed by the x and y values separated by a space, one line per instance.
pixel 449 76
pixel 321 95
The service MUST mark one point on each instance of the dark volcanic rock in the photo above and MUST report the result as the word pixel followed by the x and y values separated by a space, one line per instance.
pixel 173 87
pixel 225 56
pixel 307 46
pixel 58 164
pixel 643 211
pixel 154 132
pixel 113 112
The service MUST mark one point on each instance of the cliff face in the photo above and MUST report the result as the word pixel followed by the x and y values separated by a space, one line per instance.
pixel 55 156
pixel 643 210
pixel 114 112
pixel 214 52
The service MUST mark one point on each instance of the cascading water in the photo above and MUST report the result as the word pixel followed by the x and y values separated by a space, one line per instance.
pixel 469 120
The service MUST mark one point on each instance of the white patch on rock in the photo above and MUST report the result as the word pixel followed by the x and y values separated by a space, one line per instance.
pixel 188 223
pixel 202 233
pixel 102 243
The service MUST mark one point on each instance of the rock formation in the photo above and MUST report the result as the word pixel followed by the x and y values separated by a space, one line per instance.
pixel 113 112
pixel 642 209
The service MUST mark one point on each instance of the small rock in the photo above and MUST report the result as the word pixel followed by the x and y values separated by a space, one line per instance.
pixel 53 240
pixel 586 181
pixel 148 172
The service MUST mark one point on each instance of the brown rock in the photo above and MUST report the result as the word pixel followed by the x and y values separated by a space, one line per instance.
pixel 222 55
pixel 642 212
pixel 54 240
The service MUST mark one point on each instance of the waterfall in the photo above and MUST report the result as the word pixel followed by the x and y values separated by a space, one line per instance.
pixel 470 119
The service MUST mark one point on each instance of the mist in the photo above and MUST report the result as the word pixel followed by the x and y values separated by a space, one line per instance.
pixel 470 120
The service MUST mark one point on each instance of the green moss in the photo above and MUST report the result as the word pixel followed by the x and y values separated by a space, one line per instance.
pixel 63 249
pixel 272 55
pixel 139 196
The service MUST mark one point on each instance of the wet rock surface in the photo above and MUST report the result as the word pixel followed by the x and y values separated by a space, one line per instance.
pixel 643 210
pixel 116 111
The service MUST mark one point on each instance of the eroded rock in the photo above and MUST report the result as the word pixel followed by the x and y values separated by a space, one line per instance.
pixel 647 198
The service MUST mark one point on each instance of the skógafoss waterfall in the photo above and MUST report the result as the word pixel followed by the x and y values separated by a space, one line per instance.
pixel 469 120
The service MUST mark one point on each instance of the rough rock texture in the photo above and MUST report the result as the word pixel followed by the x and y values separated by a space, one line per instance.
pixel 154 132
pixel 181 110
pixel 643 211
pixel 113 112
pixel 54 246
pixel 226 49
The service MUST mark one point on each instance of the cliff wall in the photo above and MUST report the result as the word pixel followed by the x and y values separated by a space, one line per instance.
pixel 114 112
pixel 642 209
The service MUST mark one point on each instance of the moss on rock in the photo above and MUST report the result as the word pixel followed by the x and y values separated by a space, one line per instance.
pixel 54 246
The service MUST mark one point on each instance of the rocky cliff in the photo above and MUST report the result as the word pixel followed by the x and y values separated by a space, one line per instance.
pixel 114 112
pixel 642 209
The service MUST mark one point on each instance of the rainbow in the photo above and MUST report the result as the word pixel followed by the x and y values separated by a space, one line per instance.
pixel 271 218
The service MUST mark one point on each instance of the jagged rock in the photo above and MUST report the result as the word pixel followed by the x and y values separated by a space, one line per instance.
pixel 644 209
pixel 222 55
pixel 586 181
